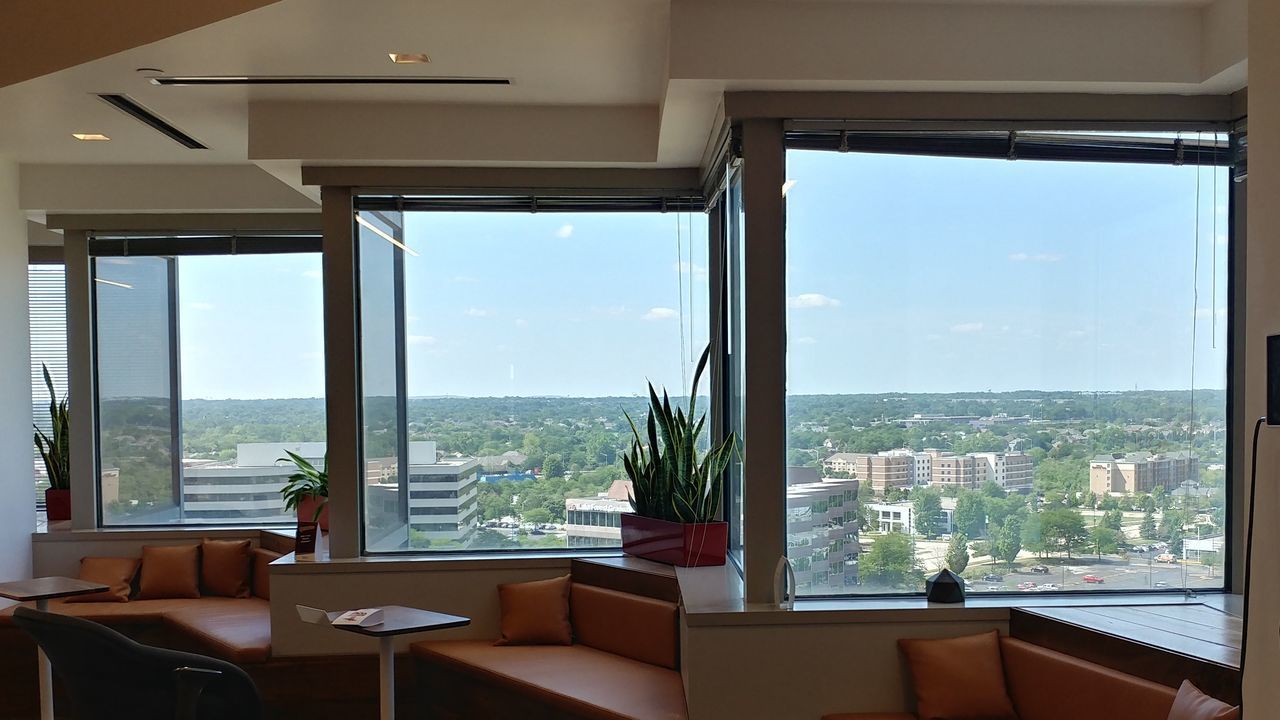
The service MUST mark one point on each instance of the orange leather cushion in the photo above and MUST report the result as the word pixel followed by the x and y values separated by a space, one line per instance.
pixel 1191 704
pixel 959 678
pixel 1048 685
pixel 262 573
pixel 234 629
pixel 629 625
pixel 575 680
pixel 870 716
pixel 170 571
pixel 117 573
pixel 225 567
pixel 535 613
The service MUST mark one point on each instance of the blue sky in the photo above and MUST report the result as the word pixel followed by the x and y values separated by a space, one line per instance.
pixel 904 274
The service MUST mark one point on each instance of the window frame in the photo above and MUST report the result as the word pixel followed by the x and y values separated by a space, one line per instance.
pixel 988 140
pixel 481 200
pixel 170 246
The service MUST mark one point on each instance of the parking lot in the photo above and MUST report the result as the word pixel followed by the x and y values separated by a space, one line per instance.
pixel 1138 572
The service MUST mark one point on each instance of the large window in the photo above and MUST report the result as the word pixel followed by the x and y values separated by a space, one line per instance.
pixel 47 313
pixel 500 354
pixel 1017 369
pixel 208 367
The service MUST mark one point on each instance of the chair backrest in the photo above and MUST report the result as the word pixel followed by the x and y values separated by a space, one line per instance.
pixel 1048 685
pixel 109 676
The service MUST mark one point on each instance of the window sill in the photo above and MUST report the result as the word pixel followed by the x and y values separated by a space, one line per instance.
pixel 713 597
pixel 290 564
pixel 62 532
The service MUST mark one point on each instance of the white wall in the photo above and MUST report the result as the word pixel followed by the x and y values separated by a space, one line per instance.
pixel 1262 318
pixel 801 671
pixel 17 513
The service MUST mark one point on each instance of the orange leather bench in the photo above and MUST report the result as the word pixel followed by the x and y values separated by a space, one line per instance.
pixel 234 629
pixel 1048 685
pixel 624 665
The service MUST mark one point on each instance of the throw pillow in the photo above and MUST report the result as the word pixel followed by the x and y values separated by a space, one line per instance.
pixel 226 567
pixel 1191 704
pixel 170 571
pixel 959 678
pixel 535 613
pixel 117 573
pixel 262 573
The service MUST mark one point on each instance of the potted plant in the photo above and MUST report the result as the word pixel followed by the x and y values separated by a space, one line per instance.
pixel 675 493
pixel 54 451
pixel 307 490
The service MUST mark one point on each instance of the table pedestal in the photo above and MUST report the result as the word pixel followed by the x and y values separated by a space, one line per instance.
pixel 386 677
pixel 46 673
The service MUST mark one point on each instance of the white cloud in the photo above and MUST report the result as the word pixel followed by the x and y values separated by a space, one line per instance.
pixel 564 231
pixel 420 340
pixel 806 340
pixel 682 267
pixel 201 306
pixel 969 327
pixel 313 274
pixel 521 322
pixel 659 313
pixel 476 312
pixel 1039 257
pixel 812 300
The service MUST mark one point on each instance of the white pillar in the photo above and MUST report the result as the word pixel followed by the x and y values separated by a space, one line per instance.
pixel 17 494
pixel 1262 318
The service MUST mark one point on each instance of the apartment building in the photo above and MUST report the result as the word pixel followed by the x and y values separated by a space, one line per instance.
pixel 957 471
pixel 1011 471
pixel 1141 472
pixel 900 468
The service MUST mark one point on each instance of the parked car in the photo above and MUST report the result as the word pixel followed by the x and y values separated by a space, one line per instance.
pixel 1161 584
pixel 993 578
pixel 1040 570
pixel 1026 586
pixel 1141 548
pixel 992 588
pixel 1048 587
pixel 1093 579
pixel 1166 558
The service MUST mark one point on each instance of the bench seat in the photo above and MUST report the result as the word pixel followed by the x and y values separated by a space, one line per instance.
pixel 237 630
pixel 570 680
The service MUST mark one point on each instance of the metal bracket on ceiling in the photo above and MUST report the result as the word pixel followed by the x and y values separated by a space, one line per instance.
pixel 844 141
pixel 664 205
pixel 234 238
pixel 533 208
pixel 1179 152
pixel 1012 153
pixel 124 247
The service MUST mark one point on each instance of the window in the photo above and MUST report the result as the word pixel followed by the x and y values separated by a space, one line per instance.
pixel 1012 365
pixel 500 351
pixel 47 313
pixel 734 339
pixel 208 368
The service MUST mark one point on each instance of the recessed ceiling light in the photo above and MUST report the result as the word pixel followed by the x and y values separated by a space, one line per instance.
pixel 409 58
pixel 89 136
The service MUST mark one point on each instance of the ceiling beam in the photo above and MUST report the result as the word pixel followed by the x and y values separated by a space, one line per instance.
pixel 39 37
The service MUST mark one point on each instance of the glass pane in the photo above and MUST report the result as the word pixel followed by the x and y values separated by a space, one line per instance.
pixel 47 293
pixel 250 389
pixel 1021 365
pixel 519 365
pixel 737 371
pixel 386 495
pixel 135 382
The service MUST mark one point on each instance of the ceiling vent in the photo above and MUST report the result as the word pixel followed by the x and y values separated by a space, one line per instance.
pixel 128 106
pixel 218 80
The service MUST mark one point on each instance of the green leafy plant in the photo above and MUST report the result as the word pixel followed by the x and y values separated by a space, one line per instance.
pixel 55 450
pixel 668 480
pixel 308 482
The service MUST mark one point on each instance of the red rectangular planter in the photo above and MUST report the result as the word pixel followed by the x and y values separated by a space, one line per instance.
pixel 57 505
pixel 673 543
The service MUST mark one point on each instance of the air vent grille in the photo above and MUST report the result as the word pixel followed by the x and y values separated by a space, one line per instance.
pixel 130 107
pixel 205 80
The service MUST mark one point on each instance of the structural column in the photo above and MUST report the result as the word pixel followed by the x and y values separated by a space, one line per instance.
pixel 341 367
pixel 17 489
pixel 765 385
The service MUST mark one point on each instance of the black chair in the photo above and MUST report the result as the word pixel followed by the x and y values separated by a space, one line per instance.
pixel 110 677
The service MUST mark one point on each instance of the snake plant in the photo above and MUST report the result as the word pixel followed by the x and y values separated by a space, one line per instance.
pixel 55 450
pixel 669 481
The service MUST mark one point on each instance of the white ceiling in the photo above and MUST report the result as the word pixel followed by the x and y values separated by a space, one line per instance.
pixel 636 81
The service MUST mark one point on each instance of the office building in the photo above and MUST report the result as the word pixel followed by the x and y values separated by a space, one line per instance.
pixel 1141 472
